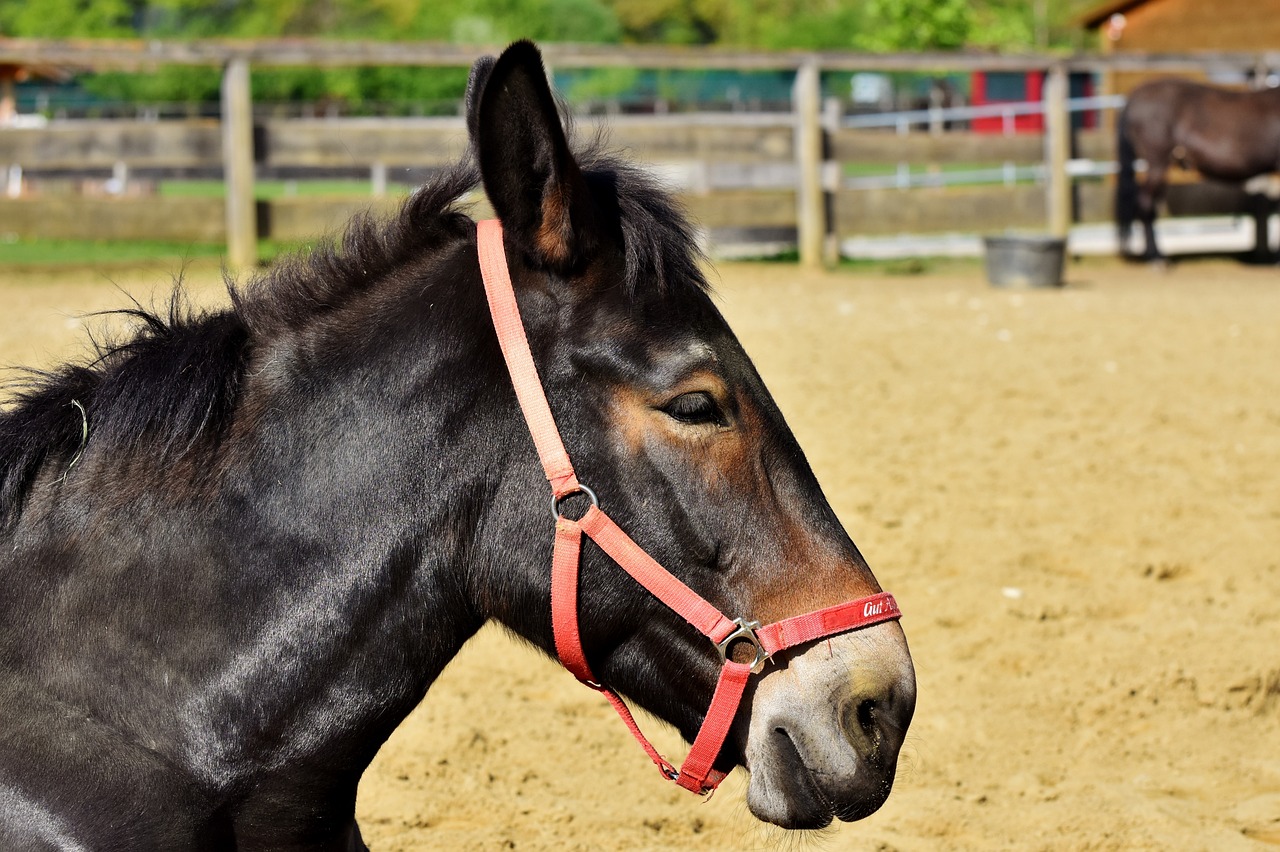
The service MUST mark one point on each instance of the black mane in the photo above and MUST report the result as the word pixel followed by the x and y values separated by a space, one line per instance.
pixel 174 385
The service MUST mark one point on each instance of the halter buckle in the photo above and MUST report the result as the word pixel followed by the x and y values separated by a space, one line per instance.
pixel 746 632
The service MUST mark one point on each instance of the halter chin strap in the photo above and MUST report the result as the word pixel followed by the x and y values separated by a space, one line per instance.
pixel 725 633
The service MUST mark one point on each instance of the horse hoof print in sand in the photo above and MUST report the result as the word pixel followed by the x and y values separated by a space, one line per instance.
pixel 241 546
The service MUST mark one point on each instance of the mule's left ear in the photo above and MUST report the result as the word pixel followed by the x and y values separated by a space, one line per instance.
pixel 529 174
pixel 475 85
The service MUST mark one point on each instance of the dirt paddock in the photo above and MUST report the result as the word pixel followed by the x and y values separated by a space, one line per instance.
pixel 1075 497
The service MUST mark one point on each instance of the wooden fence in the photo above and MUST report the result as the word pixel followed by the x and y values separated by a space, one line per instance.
pixel 734 170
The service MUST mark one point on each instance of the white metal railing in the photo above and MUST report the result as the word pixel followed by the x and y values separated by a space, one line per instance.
pixel 934 116
pixel 1008 173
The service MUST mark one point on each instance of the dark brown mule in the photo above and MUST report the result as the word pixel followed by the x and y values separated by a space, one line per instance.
pixel 237 549
pixel 1223 134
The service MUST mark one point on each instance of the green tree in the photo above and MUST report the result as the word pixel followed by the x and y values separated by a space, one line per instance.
pixel 469 21
pixel 877 25
pixel 67 18
pixel 912 25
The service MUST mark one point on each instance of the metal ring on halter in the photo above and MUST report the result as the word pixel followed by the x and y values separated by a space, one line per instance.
pixel 746 632
pixel 580 489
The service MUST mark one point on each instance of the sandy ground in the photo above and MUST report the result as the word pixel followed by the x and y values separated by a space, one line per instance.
pixel 1073 495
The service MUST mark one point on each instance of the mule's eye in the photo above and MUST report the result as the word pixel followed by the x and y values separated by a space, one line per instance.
pixel 695 408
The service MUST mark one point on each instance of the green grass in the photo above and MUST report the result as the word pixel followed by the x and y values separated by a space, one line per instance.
pixel 51 252
pixel 881 169
pixel 906 266
pixel 910 266
pixel 268 190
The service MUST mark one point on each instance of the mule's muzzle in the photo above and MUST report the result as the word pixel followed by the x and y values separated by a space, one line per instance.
pixel 827 728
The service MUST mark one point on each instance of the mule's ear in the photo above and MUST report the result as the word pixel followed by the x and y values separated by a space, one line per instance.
pixel 529 174
pixel 475 85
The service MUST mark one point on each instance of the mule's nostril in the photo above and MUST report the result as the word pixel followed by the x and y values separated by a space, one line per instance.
pixel 866 715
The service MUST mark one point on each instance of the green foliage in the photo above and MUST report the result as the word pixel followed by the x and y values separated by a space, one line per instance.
pixel 598 83
pixel 66 18
pixel 805 24
pixel 877 25
pixel 465 21
pixel 911 25
pixel 1004 23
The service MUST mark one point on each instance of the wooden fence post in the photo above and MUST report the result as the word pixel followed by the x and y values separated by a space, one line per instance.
pixel 1057 145
pixel 810 205
pixel 831 116
pixel 237 165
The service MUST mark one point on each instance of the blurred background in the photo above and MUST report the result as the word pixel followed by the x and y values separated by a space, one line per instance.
pixel 825 130
pixel 865 25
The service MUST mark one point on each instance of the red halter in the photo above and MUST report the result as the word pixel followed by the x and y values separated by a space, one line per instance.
pixel 697 773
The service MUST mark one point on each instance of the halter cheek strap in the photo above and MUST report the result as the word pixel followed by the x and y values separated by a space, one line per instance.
pixel 697 773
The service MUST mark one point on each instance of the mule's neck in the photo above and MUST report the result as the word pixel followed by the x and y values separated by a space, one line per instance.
pixel 294 610
pixel 384 495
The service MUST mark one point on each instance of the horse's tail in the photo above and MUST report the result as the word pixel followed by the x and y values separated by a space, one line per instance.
pixel 1126 183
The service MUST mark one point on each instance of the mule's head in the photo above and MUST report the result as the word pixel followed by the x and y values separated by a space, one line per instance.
pixel 666 418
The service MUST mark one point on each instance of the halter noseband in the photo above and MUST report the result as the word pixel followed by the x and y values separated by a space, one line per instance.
pixel 697 773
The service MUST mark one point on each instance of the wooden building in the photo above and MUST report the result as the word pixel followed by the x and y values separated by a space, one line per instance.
pixel 1183 26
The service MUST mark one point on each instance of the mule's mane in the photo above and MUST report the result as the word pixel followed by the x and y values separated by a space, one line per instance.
pixel 662 255
pixel 175 383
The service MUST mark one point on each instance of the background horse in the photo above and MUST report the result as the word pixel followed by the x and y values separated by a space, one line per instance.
pixel 1225 135
pixel 238 548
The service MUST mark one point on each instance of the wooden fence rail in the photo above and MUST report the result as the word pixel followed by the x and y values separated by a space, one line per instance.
pixel 783 164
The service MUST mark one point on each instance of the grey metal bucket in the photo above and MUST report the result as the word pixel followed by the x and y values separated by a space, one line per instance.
pixel 1025 260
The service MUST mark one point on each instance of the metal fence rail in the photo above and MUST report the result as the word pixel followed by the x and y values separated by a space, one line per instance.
pixel 1007 173
pixel 904 120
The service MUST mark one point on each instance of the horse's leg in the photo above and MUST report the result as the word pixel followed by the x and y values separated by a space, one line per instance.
pixel 1261 215
pixel 1149 196
pixel 1261 206
pixel 1271 207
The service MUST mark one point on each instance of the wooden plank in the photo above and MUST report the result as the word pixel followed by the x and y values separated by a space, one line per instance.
pixel 888 147
pixel 743 209
pixel 97 144
pixel 78 217
pixel 995 208
pixel 1097 145
pixel 363 141
pixel 296 219
pixel 440 141
pixel 319 218
pixel 1095 201
pixel 676 141
pixel 936 209
pixel 428 142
